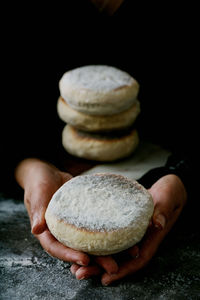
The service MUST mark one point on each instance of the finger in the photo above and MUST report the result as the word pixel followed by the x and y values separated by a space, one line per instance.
pixel 39 202
pixel 38 225
pixel 134 251
pixel 125 269
pixel 74 268
pixel 169 196
pixel 86 272
pixel 56 249
pixel 37 220
pixel 159 220
pixel 107 263
pixel 162 213
pixel 65 177
pixel 148 248
pixel 165 215
pixel 36 204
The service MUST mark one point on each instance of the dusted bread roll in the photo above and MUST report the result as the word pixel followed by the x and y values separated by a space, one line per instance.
pixel 93 123
pixel 100 214
pixel 100 147
pixel 98 90
pixel 99 104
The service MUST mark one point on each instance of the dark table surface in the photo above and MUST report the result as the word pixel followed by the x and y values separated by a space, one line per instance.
pixel 27 272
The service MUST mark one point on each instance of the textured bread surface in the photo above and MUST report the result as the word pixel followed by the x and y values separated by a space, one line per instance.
pixel 98 89
pixel 100 214
pixel 100 147
pixel 93 123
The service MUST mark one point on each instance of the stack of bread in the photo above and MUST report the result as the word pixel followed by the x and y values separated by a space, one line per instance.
pixel 99 104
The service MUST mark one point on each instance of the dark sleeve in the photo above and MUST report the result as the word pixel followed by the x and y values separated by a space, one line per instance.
pixel 173 126
pixel 183 167
pixel 172 123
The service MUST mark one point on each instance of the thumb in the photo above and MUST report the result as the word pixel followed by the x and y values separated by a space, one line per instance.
pixel 163 206
pixel 65 177
pixel 40 203
pixel 37 199
pixel 159 219
pixel 169 196
pixel 38 224
pixel 36 205
pixel 162 209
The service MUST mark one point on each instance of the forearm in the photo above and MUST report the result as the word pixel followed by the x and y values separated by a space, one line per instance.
pixel 24 169
pixel 31 171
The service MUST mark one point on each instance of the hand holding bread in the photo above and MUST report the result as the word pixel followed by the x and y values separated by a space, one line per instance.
pixel 169 198
pixel 40 180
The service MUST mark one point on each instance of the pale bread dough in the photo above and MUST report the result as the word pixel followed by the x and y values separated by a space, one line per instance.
pixel 100 214
pixel 98 89
pixel 93 123
pixel 100 147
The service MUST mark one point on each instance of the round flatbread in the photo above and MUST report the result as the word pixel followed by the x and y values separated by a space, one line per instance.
pixel 100 214
pixel 101 147
pixel 93 123
pixel 98 89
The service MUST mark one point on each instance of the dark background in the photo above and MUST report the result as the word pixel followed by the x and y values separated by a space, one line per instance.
pixel 156 43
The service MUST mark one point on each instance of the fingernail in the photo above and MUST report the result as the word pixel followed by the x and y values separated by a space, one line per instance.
pixel 81 278
pixel 114 270
pixel 73 272
pixel 150 223
pixel 38 225
pixel 136 252
pixel 79 262
pixel 106 283
pixel 34 223
pixel 160 221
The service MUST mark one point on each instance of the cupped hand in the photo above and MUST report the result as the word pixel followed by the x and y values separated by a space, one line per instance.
pixel 169 196
pixel 40 180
